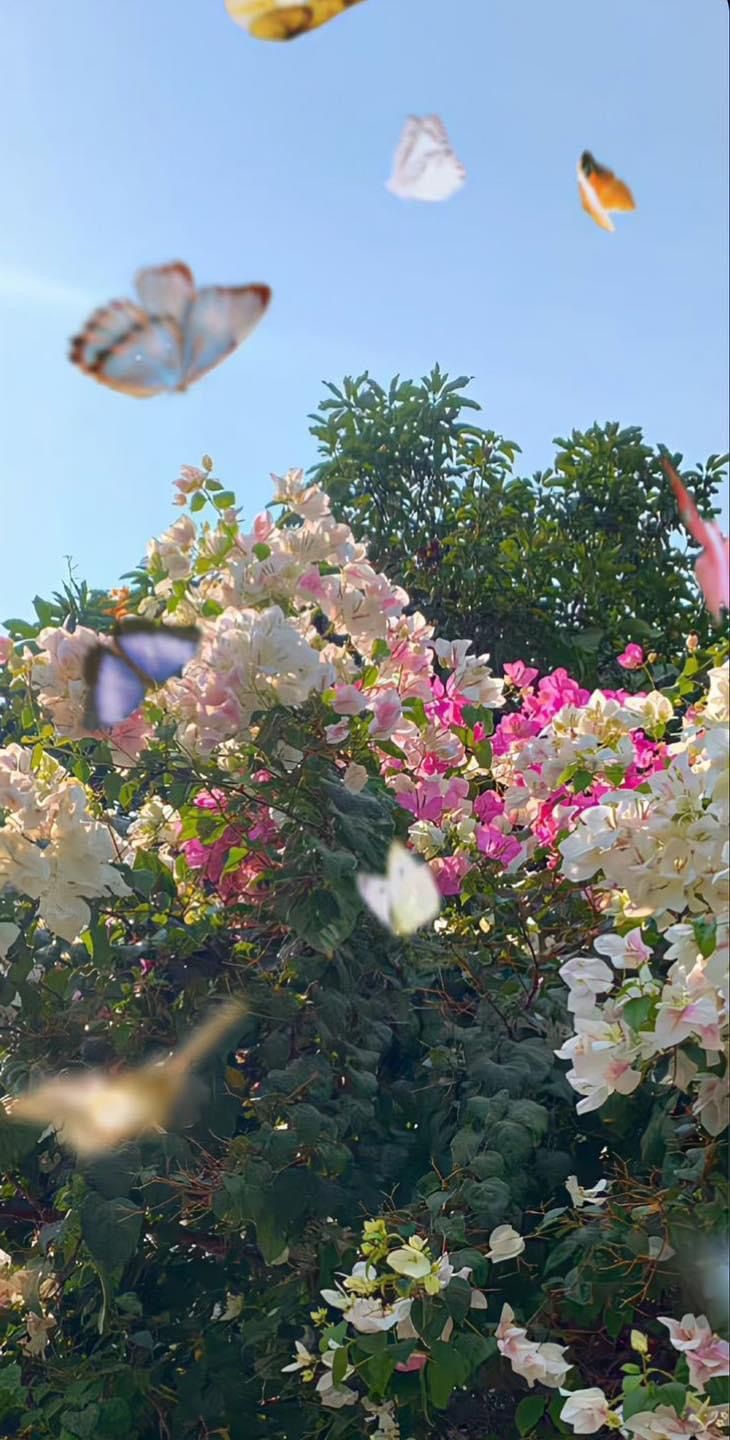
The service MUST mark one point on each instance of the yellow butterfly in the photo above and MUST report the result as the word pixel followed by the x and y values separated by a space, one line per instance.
pixel 97 1111
pixel 280 20
pixel 601 191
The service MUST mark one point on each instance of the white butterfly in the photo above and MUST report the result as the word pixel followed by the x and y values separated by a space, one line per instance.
pixel 425 166
pixel 173 337
pixel 406 897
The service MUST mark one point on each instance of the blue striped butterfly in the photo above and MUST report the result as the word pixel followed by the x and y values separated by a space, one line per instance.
pixel 282 20
pixel 140 656
pixel 172 338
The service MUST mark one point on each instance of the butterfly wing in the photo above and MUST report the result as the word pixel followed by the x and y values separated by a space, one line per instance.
pixel 113 690
pixel 375 892
pixel 159 651
pixel 425 166
pixel 124 348
pixel 166 291
pixel 713 566
pixel 280 20
pixel 218 321
pixel 601 191
pixel 415 896
pixel 591 203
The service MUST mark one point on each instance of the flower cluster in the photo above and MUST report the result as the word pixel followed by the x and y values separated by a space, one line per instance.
pixel 51 848
pixel 691 1416
pixel 378 1296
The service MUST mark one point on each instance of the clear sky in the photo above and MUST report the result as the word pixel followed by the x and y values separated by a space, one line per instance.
pixel 153 130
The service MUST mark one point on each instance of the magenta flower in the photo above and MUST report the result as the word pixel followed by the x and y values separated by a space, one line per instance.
pixel 632 658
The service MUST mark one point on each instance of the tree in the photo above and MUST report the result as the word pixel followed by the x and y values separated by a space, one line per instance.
pixel 560 569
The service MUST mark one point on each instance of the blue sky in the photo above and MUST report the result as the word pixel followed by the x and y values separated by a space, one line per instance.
pixel 157 129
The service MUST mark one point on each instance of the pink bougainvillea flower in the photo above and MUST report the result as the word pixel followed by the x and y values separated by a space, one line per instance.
pixel 449 871
pixel 632 658
pixel 416 1361
pixel 488 805
pixel 520 674
pixel 497 846
pixel 6 649
pixel 713 567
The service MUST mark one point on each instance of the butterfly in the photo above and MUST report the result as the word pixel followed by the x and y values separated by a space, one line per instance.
pixel 713 566
pixel 172 338
pixel 97 1111
pixel 141 655
pixel 280 20
pixel 406 897
pixel 601 191
pixel 425 166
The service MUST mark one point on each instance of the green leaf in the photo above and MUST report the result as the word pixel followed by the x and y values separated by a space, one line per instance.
pixel 457 1298
pixel 197 502
pixel 636 1400
pixel 111 1229
pixel 225 500
pixel 339 1364
pixel 637 1012
pixel 81 1422
pixel 672 1394
pixel 528 1412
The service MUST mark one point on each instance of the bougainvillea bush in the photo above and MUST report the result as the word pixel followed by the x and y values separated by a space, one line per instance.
pixel 468 1184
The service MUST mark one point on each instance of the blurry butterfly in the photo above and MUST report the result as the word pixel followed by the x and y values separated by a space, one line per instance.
pixel 280 20
pixel 713 566
pixel 141 655
pixel 425 166
pixel 601 191
pixel 174 337
pixel 119 607
pixel 96 1111
pixel 406 897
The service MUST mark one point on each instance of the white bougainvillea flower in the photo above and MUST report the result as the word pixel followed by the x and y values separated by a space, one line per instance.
pixel 504 1244
pixel 411 1259
pixel 587 1411
pixel 303 1359
pixel 661 1424
pixel 580 1195
pixel 332 1395
pixel 626 952
pixel 355 778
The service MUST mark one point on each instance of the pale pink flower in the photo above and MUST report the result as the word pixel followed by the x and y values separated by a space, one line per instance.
pixel 335 734
pixel 626 952
pixel 712 1106
pixel 586 1410
pixel 710 1361
pixel 348 700
pixel 387 713
pixel 689 1333
pixel 6 649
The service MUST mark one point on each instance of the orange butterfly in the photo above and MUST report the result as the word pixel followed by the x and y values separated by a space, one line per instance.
pixel 601 191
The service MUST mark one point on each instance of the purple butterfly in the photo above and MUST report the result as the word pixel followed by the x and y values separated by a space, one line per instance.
pixel 141 655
